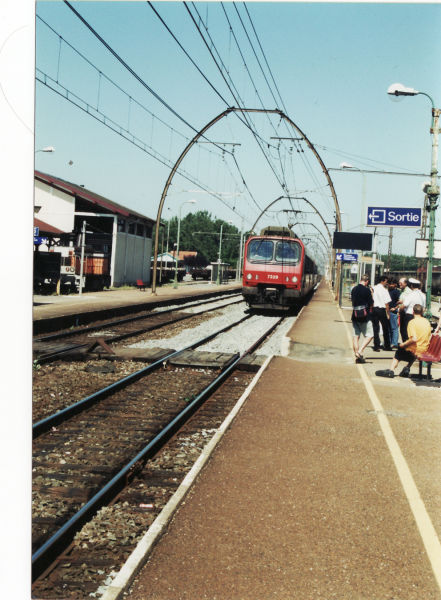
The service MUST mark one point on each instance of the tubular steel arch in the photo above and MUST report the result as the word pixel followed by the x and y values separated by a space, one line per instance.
pixel 294 198
pixel 195 139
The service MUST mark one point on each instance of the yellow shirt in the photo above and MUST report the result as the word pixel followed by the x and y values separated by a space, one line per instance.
pixel 419 328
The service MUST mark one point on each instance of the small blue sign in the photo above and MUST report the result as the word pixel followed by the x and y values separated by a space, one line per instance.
pixel 345 257
pixel 36 231
pixel 393 217
pixel 39 240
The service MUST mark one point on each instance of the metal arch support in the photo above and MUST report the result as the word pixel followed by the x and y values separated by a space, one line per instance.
pixel 175 168
pixel 296 198
pixel 334 195
pixel 322 164
pixel 195 139
pixel 264 211
pixel 167 185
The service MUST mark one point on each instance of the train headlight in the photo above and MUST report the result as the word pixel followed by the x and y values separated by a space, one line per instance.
pixel 286 278
pixel 257 276
pixel 294 279
pixel 249 276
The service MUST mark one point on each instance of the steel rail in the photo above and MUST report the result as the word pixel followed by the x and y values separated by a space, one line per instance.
pixel 85 329
pixel 43 557
pixel 44 425
pixel 117 338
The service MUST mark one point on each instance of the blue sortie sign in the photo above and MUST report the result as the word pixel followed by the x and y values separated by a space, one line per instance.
pixel 345 257
pixel 393 217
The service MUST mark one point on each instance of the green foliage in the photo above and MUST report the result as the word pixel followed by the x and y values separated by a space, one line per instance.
pixel 200 233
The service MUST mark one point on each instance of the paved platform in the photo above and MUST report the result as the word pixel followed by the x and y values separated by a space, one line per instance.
pixel 48 307
pixel 326 485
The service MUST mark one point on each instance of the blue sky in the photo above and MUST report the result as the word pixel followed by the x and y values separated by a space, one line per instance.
pixel 332 63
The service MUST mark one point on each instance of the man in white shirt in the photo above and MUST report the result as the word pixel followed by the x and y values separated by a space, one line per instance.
pixel 404 318
pixel 380 314
pixel 415 296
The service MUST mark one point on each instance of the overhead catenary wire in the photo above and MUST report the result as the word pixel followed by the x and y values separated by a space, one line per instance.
pixel 255 54
pixel 237 99
pixel 70 97
pixel 110 80
pixel 266 61
pixel 283 185
pixel 143 83
pixel 211 85
pixel 216 91
pixel 131 71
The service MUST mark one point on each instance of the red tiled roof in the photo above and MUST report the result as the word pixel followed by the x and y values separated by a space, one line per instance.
pixel 183 254
pixel 77 190
pixel 45 227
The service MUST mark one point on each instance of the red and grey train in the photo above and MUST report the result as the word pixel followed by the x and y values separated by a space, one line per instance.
pixel 277 272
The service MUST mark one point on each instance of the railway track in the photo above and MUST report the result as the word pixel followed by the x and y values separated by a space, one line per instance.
pixel 50 347
pixel 109 446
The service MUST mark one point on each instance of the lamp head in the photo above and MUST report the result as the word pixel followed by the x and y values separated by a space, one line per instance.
pixel 345 165
pixel 398 89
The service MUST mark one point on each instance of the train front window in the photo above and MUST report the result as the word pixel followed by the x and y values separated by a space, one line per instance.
pixel 260 250
pixel 288 252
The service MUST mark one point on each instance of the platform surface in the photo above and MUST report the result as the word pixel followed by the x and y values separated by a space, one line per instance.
pixel 326 485
pixel 46 307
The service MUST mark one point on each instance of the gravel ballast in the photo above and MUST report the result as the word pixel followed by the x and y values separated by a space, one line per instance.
pixel 237 340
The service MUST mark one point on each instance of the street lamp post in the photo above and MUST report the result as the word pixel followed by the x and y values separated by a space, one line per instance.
pixel 432 189
pixel 219 255
pixel 239 263
pixel 175 282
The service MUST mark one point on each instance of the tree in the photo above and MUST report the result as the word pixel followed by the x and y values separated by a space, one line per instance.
pixel 200 232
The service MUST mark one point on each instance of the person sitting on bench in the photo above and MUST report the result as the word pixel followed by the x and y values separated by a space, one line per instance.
pixel 419 332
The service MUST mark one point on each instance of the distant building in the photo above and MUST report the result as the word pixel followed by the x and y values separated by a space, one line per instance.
pixel 120 237
pixel 183 254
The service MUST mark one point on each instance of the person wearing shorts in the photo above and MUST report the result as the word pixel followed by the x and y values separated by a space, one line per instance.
pixel 361 297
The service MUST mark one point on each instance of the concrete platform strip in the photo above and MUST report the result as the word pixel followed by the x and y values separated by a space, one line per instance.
pixel 422 519
pixel 145 546
pixel 314 353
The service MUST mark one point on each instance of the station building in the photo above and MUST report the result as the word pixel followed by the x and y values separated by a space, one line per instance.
pixel 118 240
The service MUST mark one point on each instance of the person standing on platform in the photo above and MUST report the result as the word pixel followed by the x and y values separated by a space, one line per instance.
pixel 362 302
pixel 381 313
pixel 415 296
pixel 419 333
pixel 393 308
pixel 403 317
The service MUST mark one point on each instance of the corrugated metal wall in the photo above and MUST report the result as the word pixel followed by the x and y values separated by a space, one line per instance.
pixel 132 259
